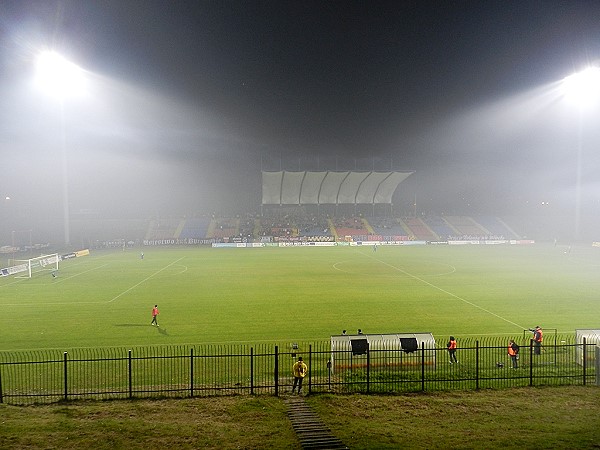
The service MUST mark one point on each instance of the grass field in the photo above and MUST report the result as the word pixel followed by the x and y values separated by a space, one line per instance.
pixel 223 295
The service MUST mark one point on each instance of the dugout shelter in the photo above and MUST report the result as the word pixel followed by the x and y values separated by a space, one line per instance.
pixel 591 336
pixel 381 350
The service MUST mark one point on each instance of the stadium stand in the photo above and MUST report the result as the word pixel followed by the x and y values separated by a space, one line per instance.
pixel 419 229
pixel 313 226
pixel 466 227
pixel 353 226
pixel 386 226
pixel 223 228
pixel 164 229
pixel 439 227
pixel 297 226
pixel 496 227
pixel 195 228
pixel 279 228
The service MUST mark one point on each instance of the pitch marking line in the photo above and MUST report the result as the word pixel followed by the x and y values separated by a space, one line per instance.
pixel 145 279
pixel 447 292
pixel 60 280
pixel 12 282
pixel 438 274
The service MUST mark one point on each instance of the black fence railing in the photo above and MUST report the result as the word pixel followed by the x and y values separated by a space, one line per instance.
pixel 48 376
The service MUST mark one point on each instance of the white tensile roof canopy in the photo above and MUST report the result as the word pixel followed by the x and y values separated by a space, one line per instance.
pixel 318 188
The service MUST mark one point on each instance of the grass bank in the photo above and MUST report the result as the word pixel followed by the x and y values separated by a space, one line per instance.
pixel 557 417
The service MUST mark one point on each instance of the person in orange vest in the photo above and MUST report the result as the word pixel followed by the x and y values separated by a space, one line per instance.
pixel 538 337
pixel 513 352
pixel 155 313
pixel 451 346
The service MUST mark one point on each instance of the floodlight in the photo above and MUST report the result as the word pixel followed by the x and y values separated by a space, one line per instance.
pixel 58 76
pixel 583 87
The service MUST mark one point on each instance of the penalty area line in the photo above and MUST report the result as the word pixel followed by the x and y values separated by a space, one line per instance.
pixel 447 292
pixel 144 280
pixel 60 280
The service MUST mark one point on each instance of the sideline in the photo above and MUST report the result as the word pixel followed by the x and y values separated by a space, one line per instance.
pixel 445 291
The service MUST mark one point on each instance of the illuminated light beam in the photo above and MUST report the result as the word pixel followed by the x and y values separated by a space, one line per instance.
pixel 583 88
pixel 58 76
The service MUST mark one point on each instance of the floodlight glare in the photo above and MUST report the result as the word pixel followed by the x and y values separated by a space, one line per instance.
pixel 58 76
pixel 583 87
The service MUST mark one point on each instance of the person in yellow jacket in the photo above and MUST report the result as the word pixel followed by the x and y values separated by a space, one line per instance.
pixel 300 370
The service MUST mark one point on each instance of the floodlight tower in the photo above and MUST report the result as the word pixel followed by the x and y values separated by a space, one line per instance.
pixel 59 77
pixel 583 89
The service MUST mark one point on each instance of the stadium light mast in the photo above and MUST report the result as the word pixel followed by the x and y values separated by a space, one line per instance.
pixel 582 89
pixel 59 78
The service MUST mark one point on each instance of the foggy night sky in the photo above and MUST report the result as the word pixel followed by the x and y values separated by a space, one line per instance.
pixel 185 98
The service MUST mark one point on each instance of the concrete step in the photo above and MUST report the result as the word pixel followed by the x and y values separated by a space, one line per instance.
pixel 311 431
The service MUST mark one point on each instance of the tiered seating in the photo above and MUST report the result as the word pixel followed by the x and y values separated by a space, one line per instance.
pixel 313 226
pixel 247 227
pixel 496 227
pixel 297 227
pixel 163 229
pixel 466 227
pixel 195 228
pixel 278 228
pixel 419 229
pixel 353 226
pixel 439 227
pixel 386 226
pixel 224 228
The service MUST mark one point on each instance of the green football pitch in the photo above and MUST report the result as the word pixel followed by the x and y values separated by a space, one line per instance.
pixel 252 295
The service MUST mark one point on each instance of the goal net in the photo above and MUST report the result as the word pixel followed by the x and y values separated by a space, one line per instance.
pixel 29 267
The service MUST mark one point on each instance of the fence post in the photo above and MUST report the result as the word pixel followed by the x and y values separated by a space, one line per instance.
pixel 477 364
pixel 423 366
pixel 368 369
pixel 129 369
pixel 276 374
pixel 584 359
pixel 251 370
pixel 192 372
pixel 555 348
pixel 597 365
pixel 65 376
pixel 328 375
pixel 1 396
pixel 530 362
pixel 309 367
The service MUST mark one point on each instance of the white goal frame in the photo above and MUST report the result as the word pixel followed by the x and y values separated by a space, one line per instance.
pixel 37 264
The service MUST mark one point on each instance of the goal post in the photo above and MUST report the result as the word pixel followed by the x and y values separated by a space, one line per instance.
pixel 38 264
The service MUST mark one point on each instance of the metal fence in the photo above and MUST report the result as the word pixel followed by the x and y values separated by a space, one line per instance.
pixel 47 376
